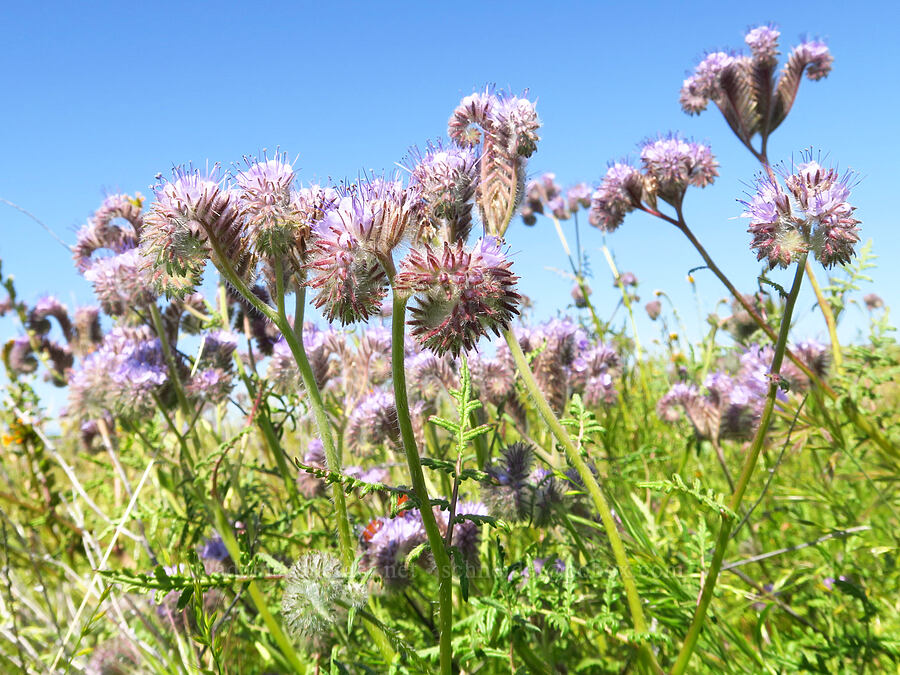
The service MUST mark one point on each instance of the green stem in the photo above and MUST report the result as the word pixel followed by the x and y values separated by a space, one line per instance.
pixel 169 355
pixel 690 641
pixel 593 488
pixel 435 541
pixel 320 414
pixel 306 374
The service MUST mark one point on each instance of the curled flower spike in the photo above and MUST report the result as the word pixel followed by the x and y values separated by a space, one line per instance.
pixel 509 492
pixel 444 181
pixel 509 125
pixel 461 295
pixel 673 164
pixel 46 307
pixel 744 88
pixel 703 85
pixel 811 213
pixel 189 210
pixel 274 225
pixel 88 333
pixel 121 283
pixel 619 193
pixel 102 232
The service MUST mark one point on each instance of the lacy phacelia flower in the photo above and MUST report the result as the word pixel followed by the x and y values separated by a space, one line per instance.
pixel 444 181
pixel 673 163
pixel 815 57
pixel 273 221
pixel 46 307
pixel 763 43
pixel 429 374
pixel 743 87
pixel 873 301
pixel 811 215
pixel 102 233
pixel 121 283
pixel 368 221
pixel 374 421
pixel 653 309
pixel 191 211
pixel 492 379
pixel 122 376
pixel 461 295
pixel 509 125
pixel 542 193
pixel 316 592
pixel 703 85
pixel 509 491
pixel 619 193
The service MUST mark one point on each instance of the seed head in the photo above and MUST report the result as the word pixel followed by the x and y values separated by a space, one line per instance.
pixel 316 593
pixel 461 295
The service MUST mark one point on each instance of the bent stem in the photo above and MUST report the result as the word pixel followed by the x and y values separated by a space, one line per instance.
pixel 690 641
pixel 435 541
pixel 593 488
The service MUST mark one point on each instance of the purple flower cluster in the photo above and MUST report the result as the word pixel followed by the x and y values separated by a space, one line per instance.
pixel 810 213
pixel 731 404
pixel 672 164
pixel 545 195
pixel 122 376
pixel 566 362
pixel 444 181
pixel 505 127
pixel 744 88
pixel 213 377
pixel 121 282
pixel 669 165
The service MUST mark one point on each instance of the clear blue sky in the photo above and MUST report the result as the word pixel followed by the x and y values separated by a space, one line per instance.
pixel 99 97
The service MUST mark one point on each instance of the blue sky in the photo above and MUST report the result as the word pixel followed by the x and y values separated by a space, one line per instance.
pixel 99 97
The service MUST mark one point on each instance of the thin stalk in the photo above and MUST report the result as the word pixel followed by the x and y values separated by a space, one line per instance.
pixel 309 380
pixel 593 488
pixel 825 306
pixel 435 541
pixel 170 361
pixel 626 300
pixel 690 641
pixel 321 416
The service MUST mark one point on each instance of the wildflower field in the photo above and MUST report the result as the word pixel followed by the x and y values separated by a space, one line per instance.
pixel 421 477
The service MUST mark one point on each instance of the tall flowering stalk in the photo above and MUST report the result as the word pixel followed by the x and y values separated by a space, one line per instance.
pixel 809 215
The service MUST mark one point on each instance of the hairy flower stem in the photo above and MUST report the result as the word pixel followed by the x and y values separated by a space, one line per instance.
pixel 594 490
pixel 170 362
pixel 435 541
pixel 712 574
pixel 309 382
pixel 318 406
pixel 825 306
